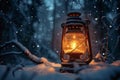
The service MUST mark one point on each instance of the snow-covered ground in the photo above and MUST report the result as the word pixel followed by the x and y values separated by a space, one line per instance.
pixel 50 71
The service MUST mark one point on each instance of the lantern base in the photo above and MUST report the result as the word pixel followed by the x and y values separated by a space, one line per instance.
pixel 71 64
pixel 70 67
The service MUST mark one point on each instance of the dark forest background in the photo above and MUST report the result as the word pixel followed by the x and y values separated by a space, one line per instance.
pixel 37 25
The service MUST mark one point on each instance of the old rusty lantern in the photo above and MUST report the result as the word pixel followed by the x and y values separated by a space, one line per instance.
pixel 75 45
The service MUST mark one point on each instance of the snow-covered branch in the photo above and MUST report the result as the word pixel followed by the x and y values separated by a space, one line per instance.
pixel 24 49
pixel 12 52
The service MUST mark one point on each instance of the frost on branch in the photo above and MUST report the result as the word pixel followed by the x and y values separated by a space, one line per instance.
pixel 48 63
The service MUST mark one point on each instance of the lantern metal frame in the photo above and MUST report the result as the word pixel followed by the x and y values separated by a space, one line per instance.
pixel 74 24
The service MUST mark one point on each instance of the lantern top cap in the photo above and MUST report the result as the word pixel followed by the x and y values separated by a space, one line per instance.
pixel 74 14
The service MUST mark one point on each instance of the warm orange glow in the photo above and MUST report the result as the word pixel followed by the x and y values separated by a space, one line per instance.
pixel 74 43
pixel 74 36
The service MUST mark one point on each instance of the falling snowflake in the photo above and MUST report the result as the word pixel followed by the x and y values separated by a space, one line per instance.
pixel 96 19
pixel 110 26
pixel 13 46
pixel 96 41
pixel 117 8
pixel 21 30
pixel 57 51
pixel 16 32
pixel 94 6
pixel 38 46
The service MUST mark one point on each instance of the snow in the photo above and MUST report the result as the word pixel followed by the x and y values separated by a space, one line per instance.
pixel 43 27
pixel 116 63
pixel 50 71
pixel 43 72
pixel 48 63
pixel 108 73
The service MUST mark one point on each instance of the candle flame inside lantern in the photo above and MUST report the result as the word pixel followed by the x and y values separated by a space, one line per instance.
pixel 73 44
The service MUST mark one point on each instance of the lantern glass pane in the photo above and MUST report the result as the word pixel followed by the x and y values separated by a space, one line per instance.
pixel 75 43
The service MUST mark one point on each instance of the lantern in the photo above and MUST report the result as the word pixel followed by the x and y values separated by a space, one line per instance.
pixel 75 45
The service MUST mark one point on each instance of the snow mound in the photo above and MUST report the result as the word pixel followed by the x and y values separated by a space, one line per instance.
pixel 108 73
pixel 116 63
pixel 50 71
